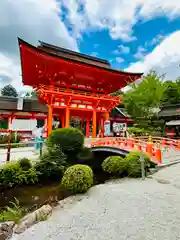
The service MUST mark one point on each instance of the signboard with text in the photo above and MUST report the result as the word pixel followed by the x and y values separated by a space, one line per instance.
pixel 119 127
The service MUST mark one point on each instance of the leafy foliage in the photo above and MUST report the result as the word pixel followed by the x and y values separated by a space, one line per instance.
pixel 69 140
pixel 12 175
pixel 133 166
pixel 12 213
pixel 114 165
pixel 25 164
pixel 9 90
pixel 172 92
pixel 143 99
pixel 78 178
pixel 52 165
pixel 15 138
pixel 138 131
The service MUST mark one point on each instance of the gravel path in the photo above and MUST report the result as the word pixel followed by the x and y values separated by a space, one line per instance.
pixel 123 210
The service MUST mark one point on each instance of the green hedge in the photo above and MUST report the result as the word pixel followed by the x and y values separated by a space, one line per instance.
pixel 133 166
pixel 15 138
pixel 78 178
pixel 138 131
pixel 52 165
pixel 114 165
pixel 25 164
pixel 12 175
pixel 69 140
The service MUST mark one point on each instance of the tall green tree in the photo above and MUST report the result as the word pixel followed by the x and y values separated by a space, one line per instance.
pixel 143 100
pixel 9 90
pixel 172 92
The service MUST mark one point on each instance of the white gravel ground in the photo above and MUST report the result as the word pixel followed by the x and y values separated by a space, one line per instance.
pixel 123 210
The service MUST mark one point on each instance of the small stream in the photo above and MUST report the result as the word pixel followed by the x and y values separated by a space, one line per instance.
pixel 32 197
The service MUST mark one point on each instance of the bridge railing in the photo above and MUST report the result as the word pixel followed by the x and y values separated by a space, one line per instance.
pixel 164 142
pixel 153 147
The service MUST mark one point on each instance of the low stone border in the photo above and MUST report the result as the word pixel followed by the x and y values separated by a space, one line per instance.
pixel 167 164
pixel 8 228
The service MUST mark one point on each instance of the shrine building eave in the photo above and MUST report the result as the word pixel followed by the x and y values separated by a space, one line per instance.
pixel 42 67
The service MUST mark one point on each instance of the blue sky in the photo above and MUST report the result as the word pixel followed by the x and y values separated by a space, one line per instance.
pixel 134 35
pixel 149 35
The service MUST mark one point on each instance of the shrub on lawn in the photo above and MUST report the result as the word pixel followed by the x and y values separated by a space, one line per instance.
pixel 25 164
pixel 114 165
pixel 15 138
pixel 12 175
pixel 69 140
pixel 78 178
pixel 134 164
pixel 52 165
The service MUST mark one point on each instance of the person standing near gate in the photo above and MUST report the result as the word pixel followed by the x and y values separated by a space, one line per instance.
pixel 37 133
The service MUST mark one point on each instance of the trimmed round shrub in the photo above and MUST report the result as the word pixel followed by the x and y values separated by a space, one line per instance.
pixel 78 178
pixel 114 165
pixel 25 164
pixel 69 140
pixel 134 164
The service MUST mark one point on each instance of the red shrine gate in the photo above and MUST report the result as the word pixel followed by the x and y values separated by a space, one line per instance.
pixel 72 84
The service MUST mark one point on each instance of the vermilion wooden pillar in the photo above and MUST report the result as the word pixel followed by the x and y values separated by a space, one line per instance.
pixel 87 127
pixel 62 121
pixel 102 126
pixel 50 117
pixel 67 117
pixel 106 116
pixel 45 132
pixel 10 118
pixel 94 124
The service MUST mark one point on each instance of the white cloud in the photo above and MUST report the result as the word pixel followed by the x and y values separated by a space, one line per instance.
pixel 44 20
pixel 122 50
pixel 165 58
pixel 118 16
pixel 31 20
pixel 157 39
pixel 119 59
pixel 141 51
pixel 150 9
pixel 9 71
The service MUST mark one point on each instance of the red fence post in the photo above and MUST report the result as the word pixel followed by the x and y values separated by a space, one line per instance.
pixel 9 146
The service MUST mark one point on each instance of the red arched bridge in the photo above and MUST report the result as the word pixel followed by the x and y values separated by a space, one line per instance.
pixel 163 151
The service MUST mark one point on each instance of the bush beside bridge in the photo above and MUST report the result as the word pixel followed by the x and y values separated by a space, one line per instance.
pixel 70 163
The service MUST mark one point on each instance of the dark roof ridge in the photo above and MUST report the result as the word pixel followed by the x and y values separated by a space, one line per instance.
pixel 43 44
pixel 108 67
